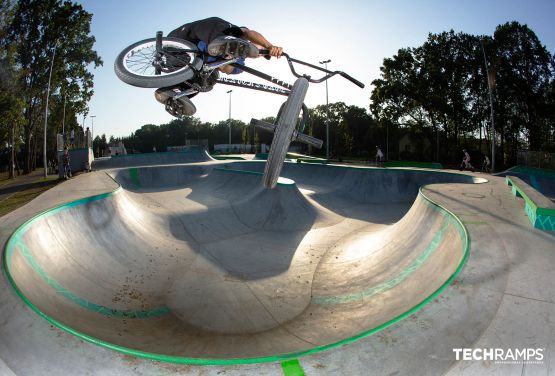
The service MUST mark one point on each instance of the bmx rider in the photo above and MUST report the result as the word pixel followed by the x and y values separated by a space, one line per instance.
pixel 217 38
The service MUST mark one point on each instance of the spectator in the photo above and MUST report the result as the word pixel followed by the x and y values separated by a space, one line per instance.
pixel 379 157
pixel 67 164
pixel 486 164
pixel 465 164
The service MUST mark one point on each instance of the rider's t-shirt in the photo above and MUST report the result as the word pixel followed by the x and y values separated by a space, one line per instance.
pixel 206 30
pixel 203 32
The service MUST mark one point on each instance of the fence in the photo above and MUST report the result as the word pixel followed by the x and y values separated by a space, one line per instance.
pixel 539 159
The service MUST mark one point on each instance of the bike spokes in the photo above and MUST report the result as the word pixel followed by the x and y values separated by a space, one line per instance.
pixel 146 60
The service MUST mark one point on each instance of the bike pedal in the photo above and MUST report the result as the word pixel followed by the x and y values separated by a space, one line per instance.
pixel 298 136
pixel 263 125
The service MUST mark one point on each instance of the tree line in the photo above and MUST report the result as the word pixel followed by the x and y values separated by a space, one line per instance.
pixel 353 132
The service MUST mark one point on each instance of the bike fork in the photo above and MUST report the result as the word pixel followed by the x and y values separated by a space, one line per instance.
pixel 158 57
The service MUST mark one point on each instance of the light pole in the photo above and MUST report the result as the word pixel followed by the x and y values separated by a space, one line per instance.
pixel 229 121
pixel 92 131
pixel 327 114
pixel 64 118
pixel 491 86
pixel 46 111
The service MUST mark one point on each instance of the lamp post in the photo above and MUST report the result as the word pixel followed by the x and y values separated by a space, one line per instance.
pixel 491 86
pixel 325 62
pixel 229 121
pixel 92 131
pixel 64 118
pixel 46 111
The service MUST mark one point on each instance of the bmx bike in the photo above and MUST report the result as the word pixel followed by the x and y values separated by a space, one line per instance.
pixel 162 62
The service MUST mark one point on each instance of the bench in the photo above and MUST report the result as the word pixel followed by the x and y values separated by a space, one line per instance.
pixel 540 209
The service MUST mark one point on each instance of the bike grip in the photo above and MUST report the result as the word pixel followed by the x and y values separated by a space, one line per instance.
pixel 266 54
pixel 354 81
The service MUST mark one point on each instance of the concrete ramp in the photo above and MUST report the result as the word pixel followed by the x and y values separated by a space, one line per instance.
pixel 200 264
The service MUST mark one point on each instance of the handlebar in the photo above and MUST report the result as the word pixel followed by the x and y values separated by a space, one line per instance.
pixel 328 75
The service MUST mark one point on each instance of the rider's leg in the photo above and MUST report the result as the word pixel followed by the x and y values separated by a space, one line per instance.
pixel 228 45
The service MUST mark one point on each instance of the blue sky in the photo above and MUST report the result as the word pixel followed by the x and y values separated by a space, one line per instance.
pixel 355 35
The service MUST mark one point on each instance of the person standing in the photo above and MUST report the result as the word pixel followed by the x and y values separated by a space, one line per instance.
pixel 66 161
pixel 486 165
pixel 379 157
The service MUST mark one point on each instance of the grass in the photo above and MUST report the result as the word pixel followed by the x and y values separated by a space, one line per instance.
pixel 26 194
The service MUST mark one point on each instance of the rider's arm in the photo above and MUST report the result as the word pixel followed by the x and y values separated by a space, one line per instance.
pixel 257 38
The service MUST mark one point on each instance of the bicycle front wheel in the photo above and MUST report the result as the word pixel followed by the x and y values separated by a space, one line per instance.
pixel 284 132
pixel 135 65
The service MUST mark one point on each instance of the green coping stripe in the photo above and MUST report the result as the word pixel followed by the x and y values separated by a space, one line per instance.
pixel 461 229
pixel 134 176
pixel 398 279
pixel 292 368
pixel 131 314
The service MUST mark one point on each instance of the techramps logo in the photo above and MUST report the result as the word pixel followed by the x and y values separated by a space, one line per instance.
pixel 501 356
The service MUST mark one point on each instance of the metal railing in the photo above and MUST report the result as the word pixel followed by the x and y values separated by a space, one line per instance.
pixel 538 159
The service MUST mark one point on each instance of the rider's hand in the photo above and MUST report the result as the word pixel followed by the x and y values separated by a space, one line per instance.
pixel 275 51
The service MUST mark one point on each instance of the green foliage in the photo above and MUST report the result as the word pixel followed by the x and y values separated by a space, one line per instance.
pixel 37 32
pixel 440 89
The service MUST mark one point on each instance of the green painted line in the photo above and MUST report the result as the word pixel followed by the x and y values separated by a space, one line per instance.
pixel 134 176
pixel 292 368
pixel 461 229
pixel 388 285
pixel 60 290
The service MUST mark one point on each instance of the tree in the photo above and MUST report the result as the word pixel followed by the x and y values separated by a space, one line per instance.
pixel 441 88
pixel 39 30
pixel 524 70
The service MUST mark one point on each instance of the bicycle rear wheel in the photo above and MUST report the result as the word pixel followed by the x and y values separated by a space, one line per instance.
pixel 135 64
pixel 284 132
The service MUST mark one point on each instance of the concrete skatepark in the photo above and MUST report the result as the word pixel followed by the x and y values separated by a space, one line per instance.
pixel 190 266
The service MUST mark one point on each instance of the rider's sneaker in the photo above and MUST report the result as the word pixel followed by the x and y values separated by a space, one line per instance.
pixel 181 106
pixel 236 47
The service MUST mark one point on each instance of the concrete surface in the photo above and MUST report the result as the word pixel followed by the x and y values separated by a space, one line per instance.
pixel 199 262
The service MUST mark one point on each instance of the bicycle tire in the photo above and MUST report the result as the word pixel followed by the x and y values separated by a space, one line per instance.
pixel 284 132
pixel 304 116
pixel 125 74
